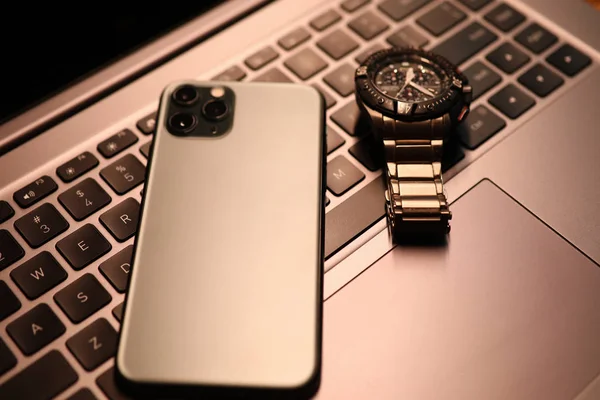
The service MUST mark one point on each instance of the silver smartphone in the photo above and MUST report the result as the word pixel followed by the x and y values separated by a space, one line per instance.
pixel 225 295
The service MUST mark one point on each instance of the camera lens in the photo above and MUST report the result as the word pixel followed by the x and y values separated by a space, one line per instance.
pixel 215 110
pixel 182 122
pixel 185 95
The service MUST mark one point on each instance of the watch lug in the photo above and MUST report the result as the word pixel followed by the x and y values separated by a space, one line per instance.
pixel 361 72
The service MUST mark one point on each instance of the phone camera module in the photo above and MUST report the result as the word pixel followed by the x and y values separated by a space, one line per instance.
pixel 185 95
pixel 182 122
pixel 215 110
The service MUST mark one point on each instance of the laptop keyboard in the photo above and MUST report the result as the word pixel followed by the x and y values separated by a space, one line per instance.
pixel 92 200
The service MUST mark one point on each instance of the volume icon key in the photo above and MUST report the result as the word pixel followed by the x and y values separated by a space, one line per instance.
pixel 35 191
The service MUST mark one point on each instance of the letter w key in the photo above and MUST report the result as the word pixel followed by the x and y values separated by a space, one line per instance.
pixel 38 275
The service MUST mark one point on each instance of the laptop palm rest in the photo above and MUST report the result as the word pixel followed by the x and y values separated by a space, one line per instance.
pixel 507 310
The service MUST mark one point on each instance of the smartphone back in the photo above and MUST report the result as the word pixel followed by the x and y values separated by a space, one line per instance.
pixel 226 285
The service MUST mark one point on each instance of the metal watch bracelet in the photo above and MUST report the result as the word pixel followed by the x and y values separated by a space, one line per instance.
pixel 415 197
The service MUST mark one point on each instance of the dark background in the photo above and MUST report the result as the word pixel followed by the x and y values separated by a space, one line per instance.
pixel 45 49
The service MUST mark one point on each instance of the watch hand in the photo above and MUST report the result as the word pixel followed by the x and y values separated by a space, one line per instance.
pixel 407 79
pixel 422 89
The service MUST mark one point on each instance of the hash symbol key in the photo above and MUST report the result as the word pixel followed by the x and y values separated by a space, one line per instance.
pixel 41 225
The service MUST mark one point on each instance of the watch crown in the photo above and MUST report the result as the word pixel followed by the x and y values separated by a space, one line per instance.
pixel 468 93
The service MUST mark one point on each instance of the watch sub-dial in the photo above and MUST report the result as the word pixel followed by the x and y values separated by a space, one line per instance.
pixel 409 82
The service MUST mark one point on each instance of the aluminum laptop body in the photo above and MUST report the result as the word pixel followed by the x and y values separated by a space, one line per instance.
pixel 507 309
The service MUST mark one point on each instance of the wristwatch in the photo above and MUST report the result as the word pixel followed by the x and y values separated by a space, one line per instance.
pixel 414 100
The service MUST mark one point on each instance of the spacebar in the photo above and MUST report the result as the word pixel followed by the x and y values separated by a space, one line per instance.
pixel 353 216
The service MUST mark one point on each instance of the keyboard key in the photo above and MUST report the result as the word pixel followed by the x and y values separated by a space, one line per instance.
pixel 540 80
pixel 6 211
pixel 480 125
pixel 407 37
pixel 347 117
pixel 341 79
pixel 147 124
pixel 536 38
pixel 41 225
pixel 9 304
pixel 35 191
pixel 145 149
pixel 504 17
pixel 233 73
pixel 10 250
pixel 117 143
pixel 329 99
pixel 124 174
pixel 294 38
pixel 83 394
pixel 569 60
pixel 475 5
pixel 261 58
pixel 7 358
pixel 508 58
pixel 83 246
pixel 353 5
pixel 441 18
pixel 362 56
pixel 325 20
pixel 481 78
pixel 354 215
pixel 82 298
pixel 512 101
pixel 35 329
pixel 273 75
pixel 117 269
pixel 44 379
pixel 94 344
pixel 342 175
pixel 350 120
pixel 122 220
pixel 84 199
pixel 305 63
pixel 38 275
pixel 78 166
pixel 106 382
pixel 368 25
pixel 453 153
pixel 366 151
pixel 399 9
pixel 334 140
pixel 337 44
pixel 117 312
pixel 465 43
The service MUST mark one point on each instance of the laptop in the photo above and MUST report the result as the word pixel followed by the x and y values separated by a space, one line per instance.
pixel 506 309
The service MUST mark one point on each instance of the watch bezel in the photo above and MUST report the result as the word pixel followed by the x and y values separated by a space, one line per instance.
pixel 407 111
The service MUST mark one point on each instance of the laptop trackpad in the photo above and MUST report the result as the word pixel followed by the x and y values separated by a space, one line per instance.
pixel 483 318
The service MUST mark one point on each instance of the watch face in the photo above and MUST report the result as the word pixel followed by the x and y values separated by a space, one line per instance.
pixel 410 80
pixel 410 84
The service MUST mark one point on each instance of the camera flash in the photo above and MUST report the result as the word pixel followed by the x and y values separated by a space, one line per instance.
pixel 217 92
